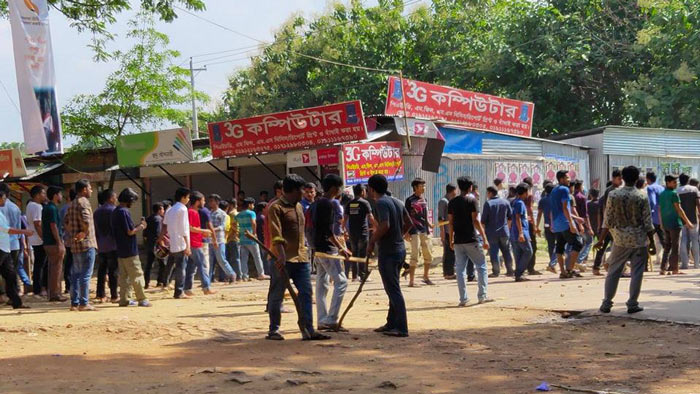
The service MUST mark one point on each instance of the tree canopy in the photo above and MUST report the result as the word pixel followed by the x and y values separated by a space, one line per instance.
pixel 584 63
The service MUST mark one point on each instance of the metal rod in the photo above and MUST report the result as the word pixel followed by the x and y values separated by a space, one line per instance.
pixel 313 173
pixel 171 176
pixel 135 183
pixel 267 167
pixel 227 176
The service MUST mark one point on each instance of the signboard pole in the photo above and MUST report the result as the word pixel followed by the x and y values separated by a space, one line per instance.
pixel 403 100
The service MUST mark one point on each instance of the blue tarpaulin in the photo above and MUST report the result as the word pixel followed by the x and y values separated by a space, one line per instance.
pixel 462 141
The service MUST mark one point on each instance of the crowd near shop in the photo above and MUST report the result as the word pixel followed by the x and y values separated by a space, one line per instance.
pixel 443 177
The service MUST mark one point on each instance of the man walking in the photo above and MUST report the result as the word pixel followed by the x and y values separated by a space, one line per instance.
pixel 14 220
pixel 654 190
pixel 196 260
pixel 628 218
pixel 286 224
pixel 564 226
pixel 448 255
pixel 519 232
pixel 582 211
pixel 7 267
pixel 690 203
pixel 393 223
pixel 495 217
pixel 176 230
pixel 615 182
pixel 53 243
pixel 130 273
pixel 463 215
pixel 672 218
pixel 246 222
pixel 417 208
pixel 544 210
pixel 217 253
pixel 327 216
pixel 529 201
pixel 79 223
pixel 34 207
pixel 106 246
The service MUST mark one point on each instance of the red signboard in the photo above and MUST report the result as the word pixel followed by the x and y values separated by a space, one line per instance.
pixel 328 156
pixel 361 161
pixel 291 130
pixel 474 110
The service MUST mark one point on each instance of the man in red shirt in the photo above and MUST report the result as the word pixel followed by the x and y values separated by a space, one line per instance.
pixel 196 260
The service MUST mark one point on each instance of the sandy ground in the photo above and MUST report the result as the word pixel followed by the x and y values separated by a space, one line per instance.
pixel 214 344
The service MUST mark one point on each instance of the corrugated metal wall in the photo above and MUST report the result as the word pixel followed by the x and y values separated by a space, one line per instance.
pixel 515 147
pixel 645 162
pixel 651 142
pixel 550 149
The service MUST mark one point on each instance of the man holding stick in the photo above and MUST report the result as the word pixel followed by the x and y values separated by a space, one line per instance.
pixel 327 217
pixel 286 225
pixel 393 222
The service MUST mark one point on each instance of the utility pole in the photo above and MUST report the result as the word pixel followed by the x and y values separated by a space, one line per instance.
pixel 195 123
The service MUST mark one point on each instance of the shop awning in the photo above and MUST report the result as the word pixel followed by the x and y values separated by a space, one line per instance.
pixel 37 172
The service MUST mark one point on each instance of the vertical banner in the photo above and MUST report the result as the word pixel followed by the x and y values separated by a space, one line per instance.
pixel 36 78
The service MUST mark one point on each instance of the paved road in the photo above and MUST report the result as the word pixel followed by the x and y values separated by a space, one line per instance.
pixel 667 298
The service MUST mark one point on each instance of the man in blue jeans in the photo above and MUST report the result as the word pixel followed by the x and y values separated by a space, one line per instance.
pixel 327 217
pixel 520 233
pixel 197 261
pixel 217 251
pixel 393 223
pixel 286 224
pixel 80 225
pixel 497 212
pixel 463 215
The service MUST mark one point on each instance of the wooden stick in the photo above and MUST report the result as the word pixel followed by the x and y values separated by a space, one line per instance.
pixel 357 294
pixel 443 223
pixel 583 390
pixel 287 284
pixel 339 257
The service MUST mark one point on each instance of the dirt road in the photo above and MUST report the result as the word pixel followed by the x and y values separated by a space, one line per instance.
pixel 214 344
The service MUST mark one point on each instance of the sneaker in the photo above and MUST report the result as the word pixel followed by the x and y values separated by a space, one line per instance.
pixel 564 275
pixel 486 300
pixel 274 336
pixel 634 309
pixel 450 277
pixel 145 304
pixel 576 274
pixel 522 279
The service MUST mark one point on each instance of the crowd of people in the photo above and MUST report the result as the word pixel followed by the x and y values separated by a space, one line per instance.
pixel 299 233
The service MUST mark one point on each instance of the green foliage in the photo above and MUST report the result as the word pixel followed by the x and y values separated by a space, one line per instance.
pixel 143 92
pixel 95 16
pixel 584 63
pixel 12 145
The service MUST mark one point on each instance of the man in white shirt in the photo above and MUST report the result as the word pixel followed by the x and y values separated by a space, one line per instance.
pixel 35 207
pixel 7 267
pixel 176 228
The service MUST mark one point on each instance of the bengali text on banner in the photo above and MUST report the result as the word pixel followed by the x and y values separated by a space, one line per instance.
pixel 291 130
pixel 474 110
pixel 361 161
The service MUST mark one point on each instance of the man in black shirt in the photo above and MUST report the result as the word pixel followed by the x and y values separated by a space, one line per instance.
pixel 327 216
pixel 392 224
pixel 463 215
pixel 150 235
pixel 358 216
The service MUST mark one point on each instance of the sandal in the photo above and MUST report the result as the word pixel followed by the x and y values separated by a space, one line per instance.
pixel 316 336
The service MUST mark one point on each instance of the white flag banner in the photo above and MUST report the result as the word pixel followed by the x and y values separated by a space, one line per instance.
pixel 36 78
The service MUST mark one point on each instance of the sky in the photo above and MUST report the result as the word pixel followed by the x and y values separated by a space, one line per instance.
pixel 77 73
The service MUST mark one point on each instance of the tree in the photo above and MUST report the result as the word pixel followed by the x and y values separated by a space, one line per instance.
pixel 575 59
pixel 95 16
pixel 144 92
pixel 668 93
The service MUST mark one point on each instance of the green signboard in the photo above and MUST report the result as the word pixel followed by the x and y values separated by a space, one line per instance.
pixel 154 148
